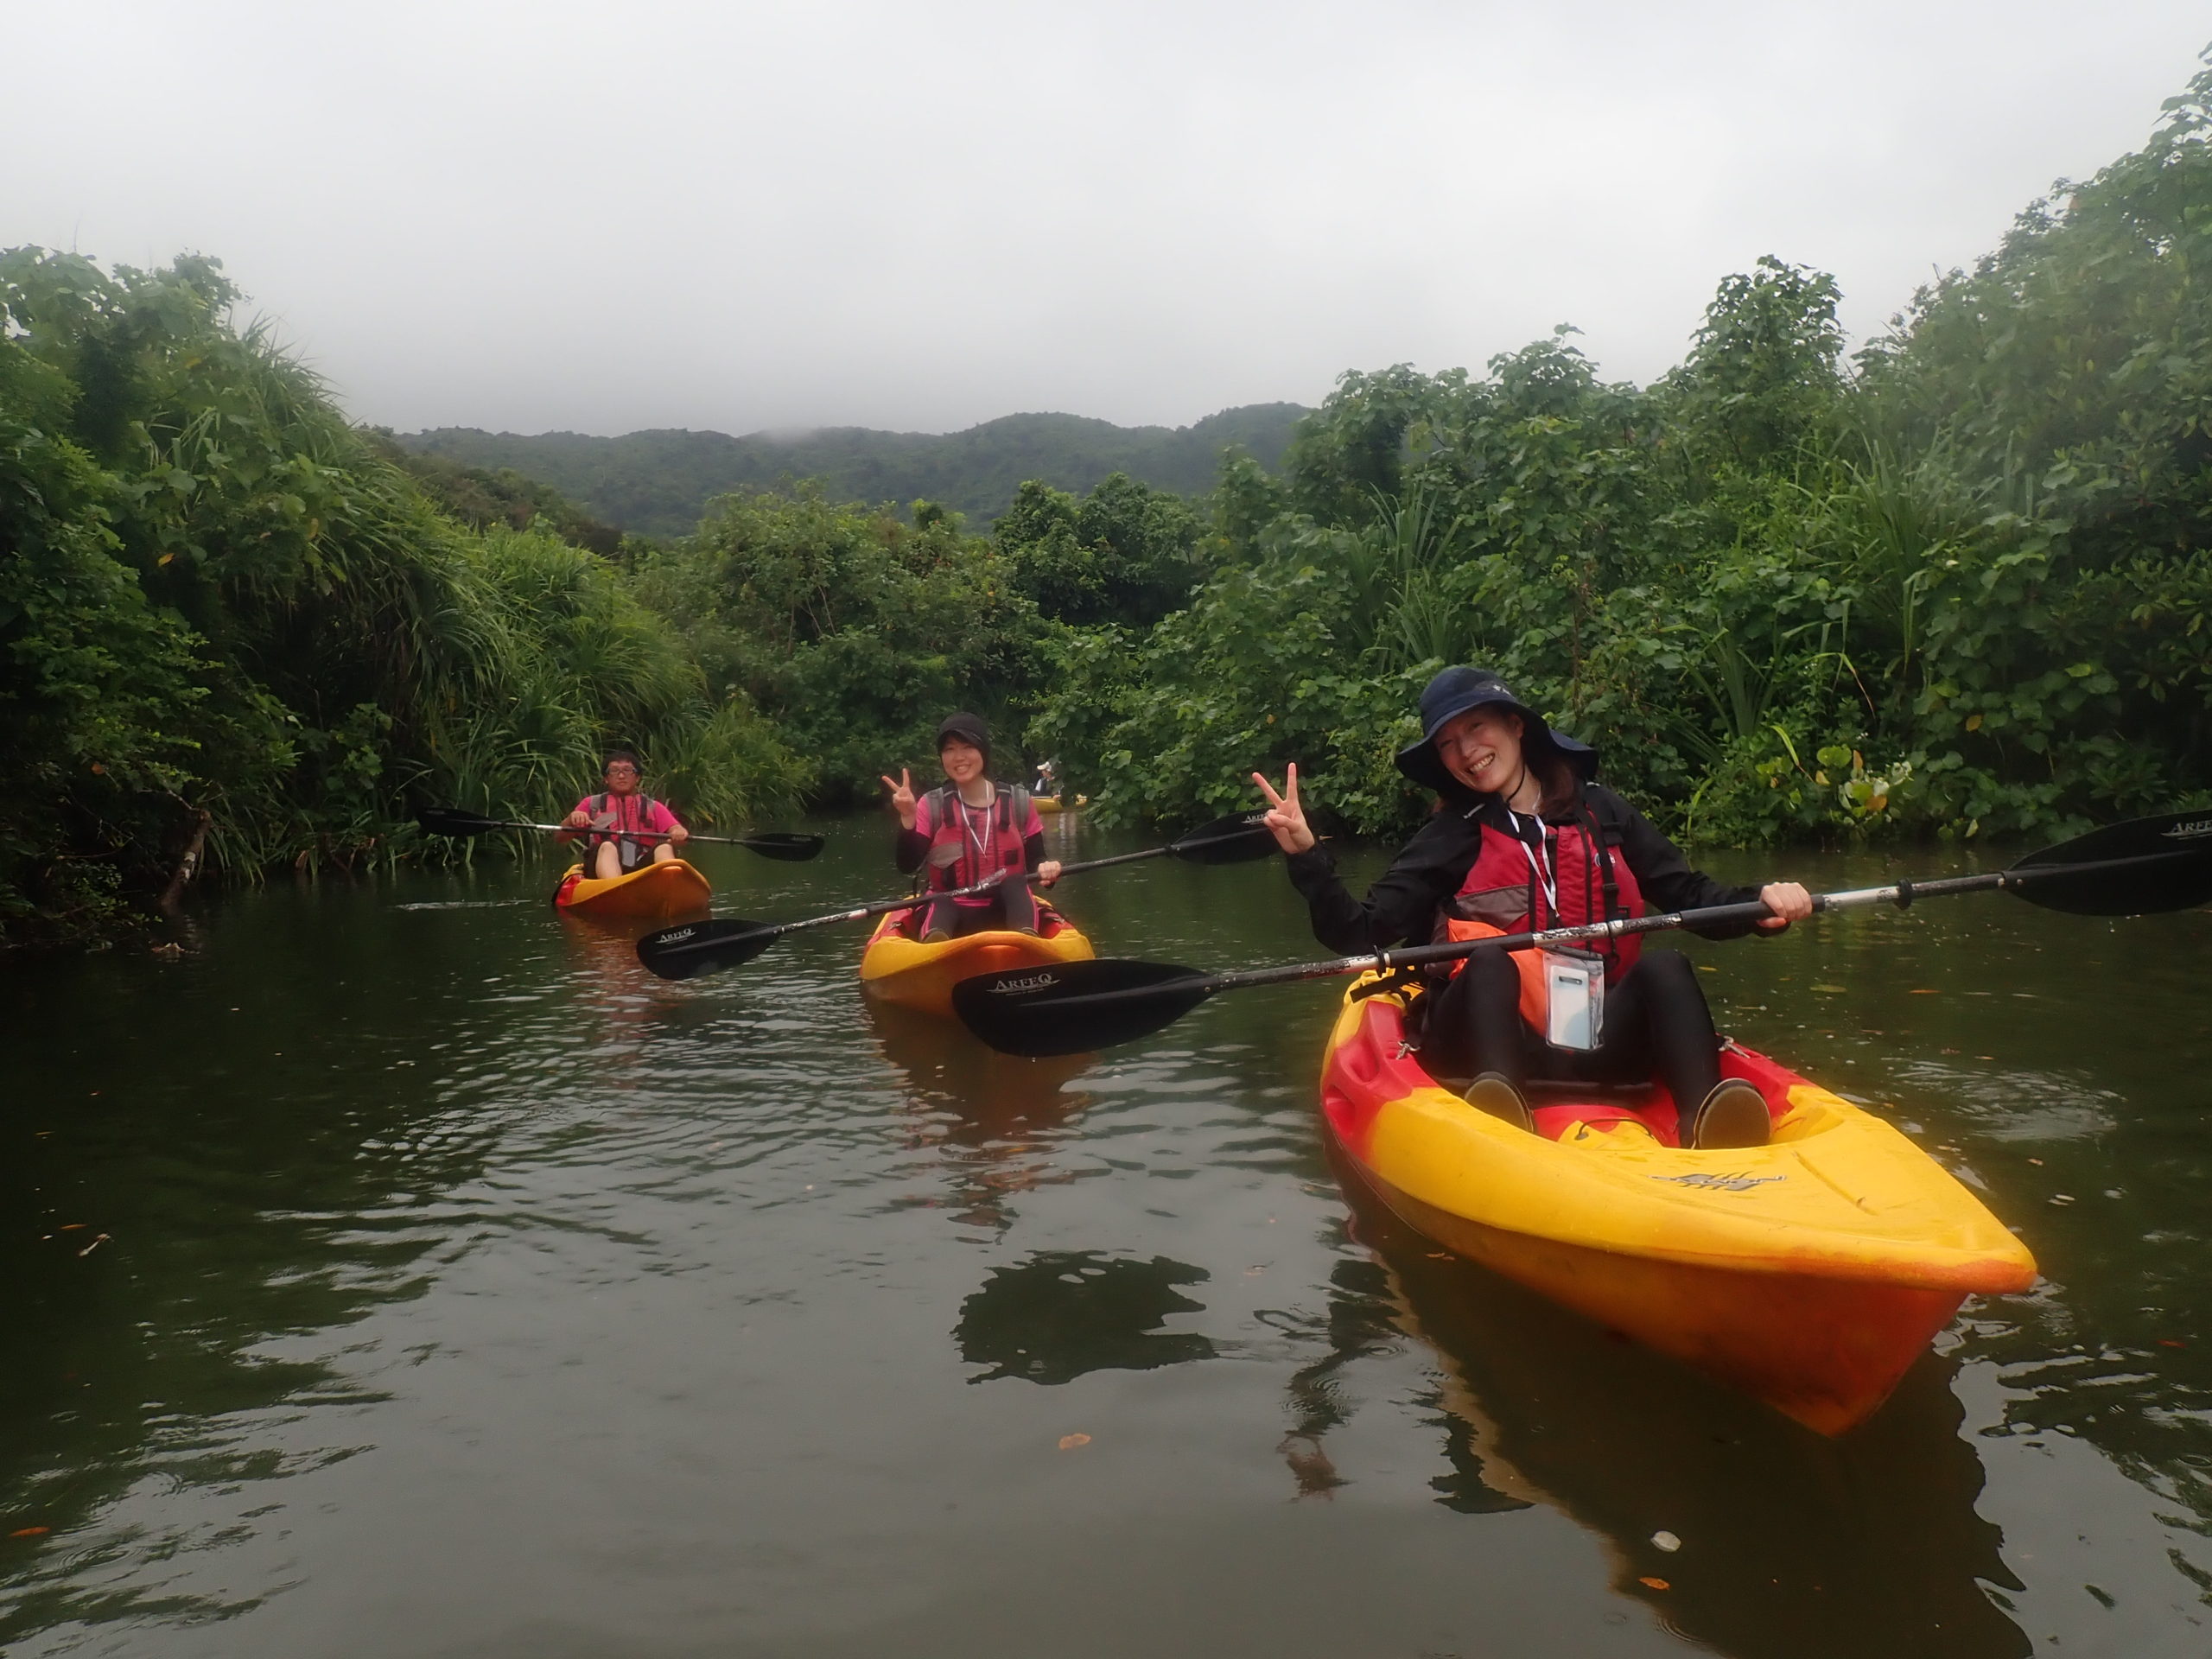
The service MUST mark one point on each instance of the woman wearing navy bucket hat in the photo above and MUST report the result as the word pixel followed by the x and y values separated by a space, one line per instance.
pixel 1524 839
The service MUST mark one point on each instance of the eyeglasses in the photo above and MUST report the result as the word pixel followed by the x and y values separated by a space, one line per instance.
pixel 621 769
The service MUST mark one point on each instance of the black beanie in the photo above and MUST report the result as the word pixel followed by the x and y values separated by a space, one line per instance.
pixel 970 729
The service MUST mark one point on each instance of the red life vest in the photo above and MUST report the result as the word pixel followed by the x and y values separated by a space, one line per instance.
pixel 633 811
pixel 1511 887
pixel 967 844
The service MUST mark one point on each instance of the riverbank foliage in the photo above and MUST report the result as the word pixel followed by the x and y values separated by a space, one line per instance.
pixel 221 607
pixel 1957 583
pixel 856 629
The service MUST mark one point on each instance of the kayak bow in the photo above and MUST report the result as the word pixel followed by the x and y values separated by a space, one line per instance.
pixel 655 892
pixel 1810 1272
pixel 920 973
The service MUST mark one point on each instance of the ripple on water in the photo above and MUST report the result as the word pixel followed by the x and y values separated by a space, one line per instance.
pixel 2015 1105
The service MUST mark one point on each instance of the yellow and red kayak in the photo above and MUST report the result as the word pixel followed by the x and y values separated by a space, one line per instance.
pixel 1810 1272
pixel 920 973
pixel 652 893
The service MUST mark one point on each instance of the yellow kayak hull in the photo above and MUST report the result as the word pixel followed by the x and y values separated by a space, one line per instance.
pixel 652 893
pixel 1051 804
pixel 1809 1272
pixel 920 973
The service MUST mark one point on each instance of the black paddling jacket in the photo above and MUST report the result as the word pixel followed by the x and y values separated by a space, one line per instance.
pixel 1404 904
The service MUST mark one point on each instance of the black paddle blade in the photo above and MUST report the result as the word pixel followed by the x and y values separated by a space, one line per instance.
pixel 793 849
pixel 1072 1008
pixel 1236 839
pixel 452 821
pixel 698 948
pixel 2174 872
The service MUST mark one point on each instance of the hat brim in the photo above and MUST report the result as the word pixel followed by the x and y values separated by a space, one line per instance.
pixel 1422 764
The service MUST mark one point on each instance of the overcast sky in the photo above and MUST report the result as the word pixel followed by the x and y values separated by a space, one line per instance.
pixel 736 215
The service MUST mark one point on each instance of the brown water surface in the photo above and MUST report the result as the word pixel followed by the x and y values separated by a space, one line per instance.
pixel 405 1272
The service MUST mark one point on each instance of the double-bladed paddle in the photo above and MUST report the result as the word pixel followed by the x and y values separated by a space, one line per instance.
pixel 2136 868
pixel 708 947
pixel 451 820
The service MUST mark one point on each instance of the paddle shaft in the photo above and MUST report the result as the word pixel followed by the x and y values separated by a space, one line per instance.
pixel 614 834
pixel 883 907
pixel 1901 894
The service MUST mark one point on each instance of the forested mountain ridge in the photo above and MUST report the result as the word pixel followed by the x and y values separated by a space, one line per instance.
pixel 658 483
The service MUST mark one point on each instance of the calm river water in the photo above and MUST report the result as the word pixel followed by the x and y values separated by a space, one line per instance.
pixel 405 1272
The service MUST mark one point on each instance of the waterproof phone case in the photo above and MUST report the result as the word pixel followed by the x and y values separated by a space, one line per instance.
pixel 1574 982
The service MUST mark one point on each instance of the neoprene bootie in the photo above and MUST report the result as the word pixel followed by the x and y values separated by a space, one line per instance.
pixel 1733 1114
pixel 1493 1092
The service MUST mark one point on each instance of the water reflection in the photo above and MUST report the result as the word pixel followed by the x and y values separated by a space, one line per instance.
pixel 995 1116
pixel 152 1295
pixel 1791 1544
pixel 1063 1313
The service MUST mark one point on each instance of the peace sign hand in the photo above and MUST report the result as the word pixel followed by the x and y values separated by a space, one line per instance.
pixel 902 796
pixel 1286 818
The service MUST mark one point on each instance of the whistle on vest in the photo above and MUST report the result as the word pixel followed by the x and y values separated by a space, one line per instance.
pixel 1574 985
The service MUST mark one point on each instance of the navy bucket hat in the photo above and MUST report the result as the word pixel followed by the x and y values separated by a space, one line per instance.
pixel 1455 692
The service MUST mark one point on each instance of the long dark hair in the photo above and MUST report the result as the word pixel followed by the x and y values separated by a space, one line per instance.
pixel 1561 788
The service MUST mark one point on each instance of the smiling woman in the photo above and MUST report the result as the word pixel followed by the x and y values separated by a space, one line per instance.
pixel 1523 839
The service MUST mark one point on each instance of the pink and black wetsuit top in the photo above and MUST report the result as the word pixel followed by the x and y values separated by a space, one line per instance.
pixel 962 844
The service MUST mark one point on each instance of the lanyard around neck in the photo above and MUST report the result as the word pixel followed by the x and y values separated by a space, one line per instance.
pixel 1539 857
pixel 967 826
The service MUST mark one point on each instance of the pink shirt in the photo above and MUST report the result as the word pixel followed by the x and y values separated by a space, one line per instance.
pixel 630 813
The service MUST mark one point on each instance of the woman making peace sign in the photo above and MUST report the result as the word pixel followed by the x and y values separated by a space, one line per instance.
pixel 967 828
pixel 1523 839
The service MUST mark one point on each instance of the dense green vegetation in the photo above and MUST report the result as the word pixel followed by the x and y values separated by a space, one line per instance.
pixel 661 483
pixel 230 627
pixel 856 629
pixel 1956 585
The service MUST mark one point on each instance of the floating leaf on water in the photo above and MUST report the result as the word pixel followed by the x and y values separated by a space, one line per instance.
pixel 1928 991
pixel 1069 1442
pixel 1667 1540
pixel 30 1532
pixel 1833 990
pixel 1656 1584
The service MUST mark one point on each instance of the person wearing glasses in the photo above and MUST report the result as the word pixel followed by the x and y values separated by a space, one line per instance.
pixel 1523 839
pixel 622 806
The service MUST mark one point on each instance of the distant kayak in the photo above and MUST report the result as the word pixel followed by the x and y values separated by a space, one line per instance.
pixel 1810 1272
pixel 920 973
pixel 1058 803
pixel 652 893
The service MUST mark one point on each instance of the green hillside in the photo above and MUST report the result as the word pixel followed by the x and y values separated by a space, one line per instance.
pixel 658 483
